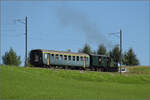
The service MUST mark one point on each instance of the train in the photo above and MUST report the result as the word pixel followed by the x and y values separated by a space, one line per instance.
pixel 72 60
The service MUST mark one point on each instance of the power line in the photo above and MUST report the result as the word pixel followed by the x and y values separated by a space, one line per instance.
pixel 13 35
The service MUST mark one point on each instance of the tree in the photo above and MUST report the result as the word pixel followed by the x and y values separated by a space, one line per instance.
pixel 125 58
pixel 110 54
pixel 10 58
pixel 86 49
pixel 130 58
pixel 101 50
pixel 116 54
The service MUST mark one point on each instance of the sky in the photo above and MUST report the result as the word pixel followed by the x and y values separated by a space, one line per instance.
pixel 63 25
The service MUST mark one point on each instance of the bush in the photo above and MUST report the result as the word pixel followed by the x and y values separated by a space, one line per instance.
pixel 11 58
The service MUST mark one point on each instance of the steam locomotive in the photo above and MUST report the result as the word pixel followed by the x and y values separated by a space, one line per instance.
pixel 71 60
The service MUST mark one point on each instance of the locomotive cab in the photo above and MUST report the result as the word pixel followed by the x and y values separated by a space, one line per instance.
pixel 103 63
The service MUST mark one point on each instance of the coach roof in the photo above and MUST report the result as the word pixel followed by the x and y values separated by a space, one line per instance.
pixel 61 52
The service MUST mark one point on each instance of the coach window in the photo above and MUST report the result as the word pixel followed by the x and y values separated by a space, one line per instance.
pixel 69 57
pixel 85 58
pixel 77 58
pixel 52 55
pixel 45 55
pixel 73 58
pixel 61 57
pixel 36 58
pixel 65 57
pixel 57 57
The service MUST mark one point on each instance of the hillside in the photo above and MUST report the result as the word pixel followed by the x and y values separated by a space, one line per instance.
pixel 40 83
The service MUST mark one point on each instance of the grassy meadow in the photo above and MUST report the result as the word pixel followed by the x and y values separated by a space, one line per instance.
pixel 56 84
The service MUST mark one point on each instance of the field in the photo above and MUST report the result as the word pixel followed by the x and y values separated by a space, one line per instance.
pixel 55 84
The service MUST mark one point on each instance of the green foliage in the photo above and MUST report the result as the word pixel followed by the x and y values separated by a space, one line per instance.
pixel 101 50
pixel 112 63
pixel 11 58
pixel 40 83
pixel 110 54
pixel 125 58
pixel 130 58
pixel 86 49
pixel 116 54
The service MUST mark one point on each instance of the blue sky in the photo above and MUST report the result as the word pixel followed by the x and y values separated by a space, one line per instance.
pixel 69 25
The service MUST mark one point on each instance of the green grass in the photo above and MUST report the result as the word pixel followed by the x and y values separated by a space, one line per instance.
pixel 38 83
pixel 139 69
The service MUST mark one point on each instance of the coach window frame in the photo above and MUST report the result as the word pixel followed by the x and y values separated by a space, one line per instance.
pixel 78 58
pixel 65 57
pixel 73 58
pixel 69 57
pixel 61 57
pixel 52 55
pixel 45 55
pixel 57 56
pixel 86 58
pixel 36 57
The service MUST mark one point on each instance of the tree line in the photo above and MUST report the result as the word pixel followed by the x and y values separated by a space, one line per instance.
pixel 128 58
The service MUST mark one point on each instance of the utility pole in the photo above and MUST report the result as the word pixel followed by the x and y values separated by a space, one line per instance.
pixel 26 41
pixel 120 49
pixel 25 21
pixel 120 46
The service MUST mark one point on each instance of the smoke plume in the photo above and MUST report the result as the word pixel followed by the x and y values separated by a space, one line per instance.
pixel 79 21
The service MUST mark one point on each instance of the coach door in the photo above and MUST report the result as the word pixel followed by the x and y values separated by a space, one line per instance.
pixel 48 59
pixel 84 61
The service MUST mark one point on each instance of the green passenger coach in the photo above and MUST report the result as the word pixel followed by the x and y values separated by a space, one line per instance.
pixel 61 59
